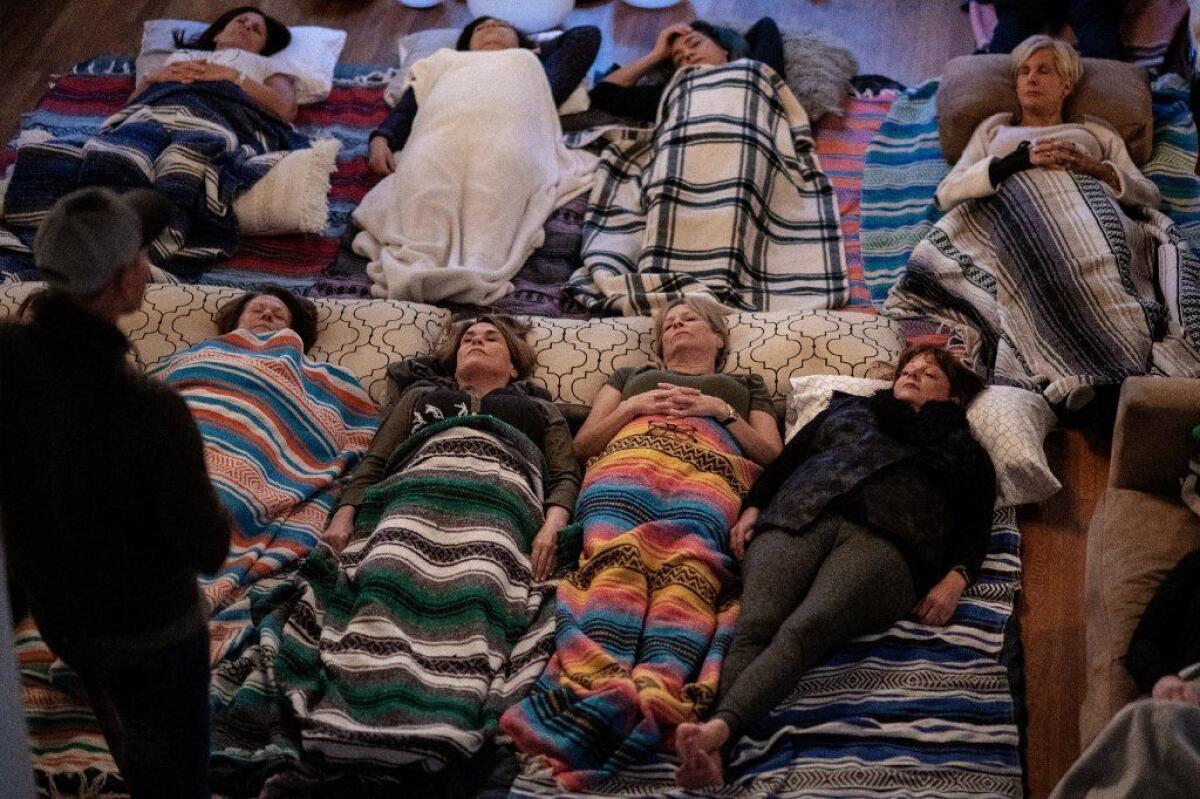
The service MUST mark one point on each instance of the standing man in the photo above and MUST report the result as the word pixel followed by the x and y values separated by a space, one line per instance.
pixel 108 513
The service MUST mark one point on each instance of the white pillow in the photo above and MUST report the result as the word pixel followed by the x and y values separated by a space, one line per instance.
pixel 422 44
pixel 293 197
pixel 311 56
pixel 1010 423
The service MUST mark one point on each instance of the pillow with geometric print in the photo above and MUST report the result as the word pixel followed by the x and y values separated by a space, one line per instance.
pixel 1010 423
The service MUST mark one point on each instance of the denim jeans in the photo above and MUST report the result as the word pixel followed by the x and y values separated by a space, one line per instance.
pixel 152 705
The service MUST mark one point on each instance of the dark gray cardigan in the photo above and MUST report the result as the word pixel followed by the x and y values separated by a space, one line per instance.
pixel 917 477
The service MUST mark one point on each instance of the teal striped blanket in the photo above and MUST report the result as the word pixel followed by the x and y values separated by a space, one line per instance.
pixel 904 165
pixel 400 653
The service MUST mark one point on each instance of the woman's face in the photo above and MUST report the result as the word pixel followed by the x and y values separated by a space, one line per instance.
pixel 483 348
pixel 246 31
pixel 1040 88
pixel 683 328
pixel 696 48
pixel 265 313
pixel 494 34
pixel 920 381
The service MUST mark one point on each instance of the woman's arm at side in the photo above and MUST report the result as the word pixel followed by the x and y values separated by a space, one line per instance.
pixel 766 45
pixel 758 436
pixel 780 469
pixel 973 500
pixel 567 58
pixel 1133 188
pixel 398 125
pixel 394 430
pixel 562 467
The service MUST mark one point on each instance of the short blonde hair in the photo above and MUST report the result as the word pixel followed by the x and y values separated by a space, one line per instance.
pixel 706 309
pixel 1066 60
pixel 513 332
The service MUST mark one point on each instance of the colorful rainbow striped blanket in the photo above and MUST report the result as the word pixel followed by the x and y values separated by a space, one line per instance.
pixel 280 432
pixel 644 622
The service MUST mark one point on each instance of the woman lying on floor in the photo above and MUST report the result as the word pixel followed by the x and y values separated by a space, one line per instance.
pixel 684 45
pixel 281 434
pixel 876 503
pixel 402 641
pixel 481 165
pixel 189 130
pixel 1052 260
pixel 645 619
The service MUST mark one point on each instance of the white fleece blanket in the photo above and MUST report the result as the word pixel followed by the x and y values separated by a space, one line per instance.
pixel 482 169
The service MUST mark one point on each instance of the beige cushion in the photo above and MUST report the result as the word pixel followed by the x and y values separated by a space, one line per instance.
pixel 1010 423
pixel 1135 538
pixel 361 337
pixel 974 87
pixel 575 357
pixel 293 197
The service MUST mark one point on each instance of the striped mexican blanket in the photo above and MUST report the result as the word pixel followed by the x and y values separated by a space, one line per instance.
pixel 405 649
pixel 724 196
pixel 280 432
pixel 914 711
pixel 1054 288
pixel 904 165
pixel 647 617
pixel 199 144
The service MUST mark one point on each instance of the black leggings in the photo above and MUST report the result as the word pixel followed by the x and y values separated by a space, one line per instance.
pixel 805 593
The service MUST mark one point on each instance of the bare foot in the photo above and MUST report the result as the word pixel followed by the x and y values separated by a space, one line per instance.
pixel 699 750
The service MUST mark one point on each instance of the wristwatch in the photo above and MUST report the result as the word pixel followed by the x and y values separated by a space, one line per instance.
pixel 730 416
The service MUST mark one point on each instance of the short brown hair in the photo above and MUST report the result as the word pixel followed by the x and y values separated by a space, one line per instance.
pixel 965 385
pixel 302 311
pixel 512 330
pixel 706 309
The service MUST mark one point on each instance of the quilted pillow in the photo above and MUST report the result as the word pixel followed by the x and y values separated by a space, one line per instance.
pixel 575 357
pixel 361 337
pixel 1010 423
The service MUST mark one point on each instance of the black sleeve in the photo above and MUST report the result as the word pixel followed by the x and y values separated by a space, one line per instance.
pixel 179 487
pixel 567 58
pixel 636 102
pixel 972 501
pixel 794 453
pixel 1003 168
pixel 766 45
pixel 399 121
pixel 1157 641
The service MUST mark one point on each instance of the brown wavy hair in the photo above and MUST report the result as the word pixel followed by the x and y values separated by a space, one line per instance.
pixel 302 311
pixel 513 331
pixel 965 385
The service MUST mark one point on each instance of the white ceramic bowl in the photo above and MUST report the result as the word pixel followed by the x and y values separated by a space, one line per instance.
pixel 530 16
pixel 652 3
pixel 419 3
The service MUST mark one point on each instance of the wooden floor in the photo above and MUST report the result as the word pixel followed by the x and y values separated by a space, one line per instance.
pixel 908 40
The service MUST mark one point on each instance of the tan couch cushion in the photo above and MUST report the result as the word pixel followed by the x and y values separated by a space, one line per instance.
pixel 1135 538
pixel 974 87
pixel 1152 439
pixel 361 337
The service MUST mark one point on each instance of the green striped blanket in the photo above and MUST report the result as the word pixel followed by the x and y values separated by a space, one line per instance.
pixel 404 650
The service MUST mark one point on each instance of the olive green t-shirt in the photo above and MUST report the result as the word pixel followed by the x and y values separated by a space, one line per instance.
pixel 744 393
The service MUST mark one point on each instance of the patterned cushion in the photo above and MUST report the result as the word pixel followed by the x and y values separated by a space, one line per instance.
pixel 362 337
pixel 1010 423
pixel 575 357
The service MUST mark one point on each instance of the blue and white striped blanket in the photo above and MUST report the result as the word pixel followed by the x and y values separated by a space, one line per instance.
pixel 914 711
pixel 200 144
pixel 904 165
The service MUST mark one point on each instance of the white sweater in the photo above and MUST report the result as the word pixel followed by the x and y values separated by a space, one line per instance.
pixel 995 138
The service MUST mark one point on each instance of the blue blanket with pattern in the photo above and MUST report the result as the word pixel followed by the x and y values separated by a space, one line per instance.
pixel 200 144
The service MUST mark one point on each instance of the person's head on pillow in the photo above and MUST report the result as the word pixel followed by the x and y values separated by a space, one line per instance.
pixel 267 310
pixel 490 33
pixel 701 42
pixel 244 28
pixel 1044 70
pixel 928 373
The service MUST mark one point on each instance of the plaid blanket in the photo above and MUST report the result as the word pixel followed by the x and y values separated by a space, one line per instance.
pixel 403 650
pixel 280 433
pixel 198 144
pixel 667 216
pixel 914 711
pixel 904 165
